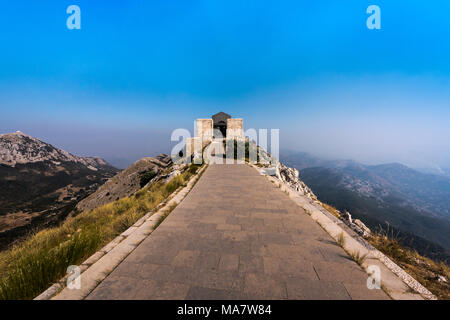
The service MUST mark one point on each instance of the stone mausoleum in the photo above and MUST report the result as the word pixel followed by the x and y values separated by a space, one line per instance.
pixel 221 125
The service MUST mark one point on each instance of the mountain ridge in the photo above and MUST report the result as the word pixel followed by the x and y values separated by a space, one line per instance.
pixel 428 193
pixel 390 195
pixel 20 148
pixel 41 184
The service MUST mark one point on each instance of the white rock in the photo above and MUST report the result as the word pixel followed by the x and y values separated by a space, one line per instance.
pixel 348 217
pixel 360 224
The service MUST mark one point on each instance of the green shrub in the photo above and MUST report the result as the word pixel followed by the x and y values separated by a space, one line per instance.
pixel 147 176
pixel 231 149
pixel 193 168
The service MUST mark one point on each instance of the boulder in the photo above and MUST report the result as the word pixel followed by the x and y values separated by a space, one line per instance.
pixel 348 217
pixel 440 278
pixel 364 228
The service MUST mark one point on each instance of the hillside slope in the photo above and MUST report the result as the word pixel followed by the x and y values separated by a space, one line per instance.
pixel 127 182
pixel 426 233
pixel 41 184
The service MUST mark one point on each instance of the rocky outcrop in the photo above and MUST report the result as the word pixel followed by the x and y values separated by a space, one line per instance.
pixel 355 224
pixel 130 180
pixel 20 148
pixel 288 176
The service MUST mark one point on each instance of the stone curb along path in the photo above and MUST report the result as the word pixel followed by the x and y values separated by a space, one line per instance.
pixel 398 284
pixel 98 266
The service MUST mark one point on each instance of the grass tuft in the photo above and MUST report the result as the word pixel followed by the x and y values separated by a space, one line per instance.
pixel 331 209
pixel 357 257
pixel 341 239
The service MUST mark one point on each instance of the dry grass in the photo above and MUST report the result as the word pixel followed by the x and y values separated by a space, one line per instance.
pixel 331 209
pixel 34 264
pixel 420 268
pixel 357 257
pixel 341 239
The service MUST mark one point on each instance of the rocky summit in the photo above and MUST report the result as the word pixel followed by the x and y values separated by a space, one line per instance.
pixel 20 148
pixel 128 181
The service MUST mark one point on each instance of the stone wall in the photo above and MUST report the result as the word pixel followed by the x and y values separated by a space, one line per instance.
pixel 235 128
pixel 193 145
pixel 204 129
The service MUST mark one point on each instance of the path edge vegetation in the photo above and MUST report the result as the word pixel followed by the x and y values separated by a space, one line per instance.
pixel 419 267
pixel 31 266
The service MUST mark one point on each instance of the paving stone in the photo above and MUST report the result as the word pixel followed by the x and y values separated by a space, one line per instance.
pixel 262 286
pixel 140 270
pixel 225 226
pixel 359 292
pixel 229 262
pixel 276 238
pixel 157 290
pixel 186 258
pixel 239 235
pixel 224 280
pixel 201 293
pixel 115 288
pixel 201 227
pixel 289 267
pixel 164 273
pixel 208 261
pixel 236 236
pixel 335 271
pixel 250 263
pixel 307 289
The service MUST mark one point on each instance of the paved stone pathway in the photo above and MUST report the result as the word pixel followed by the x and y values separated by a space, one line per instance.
pixel 237 236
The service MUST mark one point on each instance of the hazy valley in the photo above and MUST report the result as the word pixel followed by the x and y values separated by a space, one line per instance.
pixel 413 205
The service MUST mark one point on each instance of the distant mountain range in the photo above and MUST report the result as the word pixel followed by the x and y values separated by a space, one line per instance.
pixel 414 204
pixel 41 184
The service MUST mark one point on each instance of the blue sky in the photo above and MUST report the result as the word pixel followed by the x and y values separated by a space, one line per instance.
pixel 139 69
